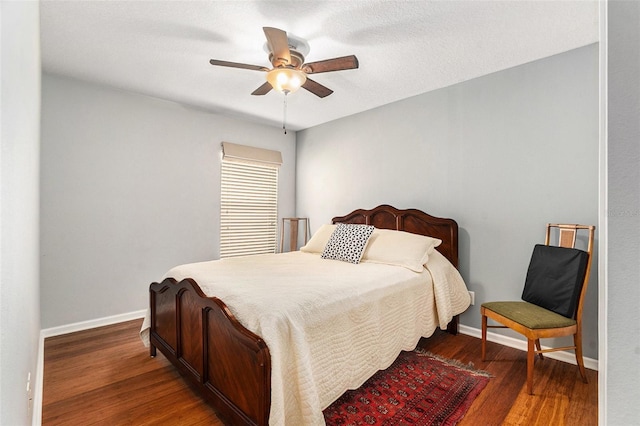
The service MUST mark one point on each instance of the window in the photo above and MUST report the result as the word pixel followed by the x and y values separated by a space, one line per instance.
pixel 248 200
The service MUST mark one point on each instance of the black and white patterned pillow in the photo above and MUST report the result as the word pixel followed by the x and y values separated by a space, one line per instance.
pixel 347 242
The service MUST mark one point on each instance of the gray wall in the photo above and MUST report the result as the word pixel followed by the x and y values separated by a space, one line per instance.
pixel 502 154
pixel 130 188
pixel 623 251
pixel 19 153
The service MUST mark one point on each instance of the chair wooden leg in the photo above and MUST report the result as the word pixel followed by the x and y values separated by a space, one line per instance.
pixel 539 348
pixel 484 337
pixel 577 340
pixel 530 360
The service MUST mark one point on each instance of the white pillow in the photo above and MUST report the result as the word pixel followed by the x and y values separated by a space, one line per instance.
pixel 399 248
pixel 319 241
pixel 348 242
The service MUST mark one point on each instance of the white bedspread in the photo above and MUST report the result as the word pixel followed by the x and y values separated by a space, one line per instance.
pixel 332 330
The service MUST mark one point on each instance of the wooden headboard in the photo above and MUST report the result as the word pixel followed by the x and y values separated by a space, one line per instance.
pixel 409 220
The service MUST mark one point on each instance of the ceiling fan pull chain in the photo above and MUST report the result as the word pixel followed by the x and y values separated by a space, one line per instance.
pixel 284 114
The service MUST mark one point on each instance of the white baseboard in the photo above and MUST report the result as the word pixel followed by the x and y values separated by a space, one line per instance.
pixel 86 325
pixel 36 415
pixel 511 342
pixel 36 419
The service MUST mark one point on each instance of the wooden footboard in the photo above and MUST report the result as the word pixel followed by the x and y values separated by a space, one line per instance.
pixel 228 364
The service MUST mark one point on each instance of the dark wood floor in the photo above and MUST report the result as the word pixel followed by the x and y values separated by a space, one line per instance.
pixel 104 376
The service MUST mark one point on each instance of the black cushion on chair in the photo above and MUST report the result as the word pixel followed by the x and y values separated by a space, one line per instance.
pixel 555 277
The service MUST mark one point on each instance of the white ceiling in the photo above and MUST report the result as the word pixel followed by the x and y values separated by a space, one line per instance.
pixel 162 48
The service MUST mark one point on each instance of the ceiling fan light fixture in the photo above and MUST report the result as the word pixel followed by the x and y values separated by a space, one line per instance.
pixel 286 80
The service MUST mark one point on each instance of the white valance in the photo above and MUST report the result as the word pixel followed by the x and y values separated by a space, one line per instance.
pixel 250 155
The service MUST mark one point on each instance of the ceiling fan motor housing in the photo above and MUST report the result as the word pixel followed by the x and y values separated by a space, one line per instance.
pixel 296 60
pixel 298 49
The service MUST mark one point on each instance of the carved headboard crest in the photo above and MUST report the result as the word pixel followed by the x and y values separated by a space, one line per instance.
pixel 410 220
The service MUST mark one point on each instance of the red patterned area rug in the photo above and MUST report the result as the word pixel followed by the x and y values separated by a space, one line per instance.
pixel 419 388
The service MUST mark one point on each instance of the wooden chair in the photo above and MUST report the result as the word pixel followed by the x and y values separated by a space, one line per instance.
pixel 293 232
pixel 536 322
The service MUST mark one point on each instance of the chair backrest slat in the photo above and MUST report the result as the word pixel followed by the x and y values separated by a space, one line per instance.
pixel 567 238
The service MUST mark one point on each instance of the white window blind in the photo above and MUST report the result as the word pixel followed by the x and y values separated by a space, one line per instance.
pixel 249 201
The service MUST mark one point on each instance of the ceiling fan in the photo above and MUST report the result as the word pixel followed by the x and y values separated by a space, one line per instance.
pixel 289 72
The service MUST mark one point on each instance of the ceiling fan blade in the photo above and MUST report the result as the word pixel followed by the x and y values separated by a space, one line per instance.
pixel 336 64
pixel 262 90
pixel 238 65
pixel 279 46
pixel 317 88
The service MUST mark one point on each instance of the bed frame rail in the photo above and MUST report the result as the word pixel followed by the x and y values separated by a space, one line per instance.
pixel 228 364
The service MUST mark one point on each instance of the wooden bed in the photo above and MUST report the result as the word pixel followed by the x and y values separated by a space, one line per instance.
pixel 229 365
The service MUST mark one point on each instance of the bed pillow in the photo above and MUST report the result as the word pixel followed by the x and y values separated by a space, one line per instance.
pixel 319 241
pixel 400 248
pixel 348 242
